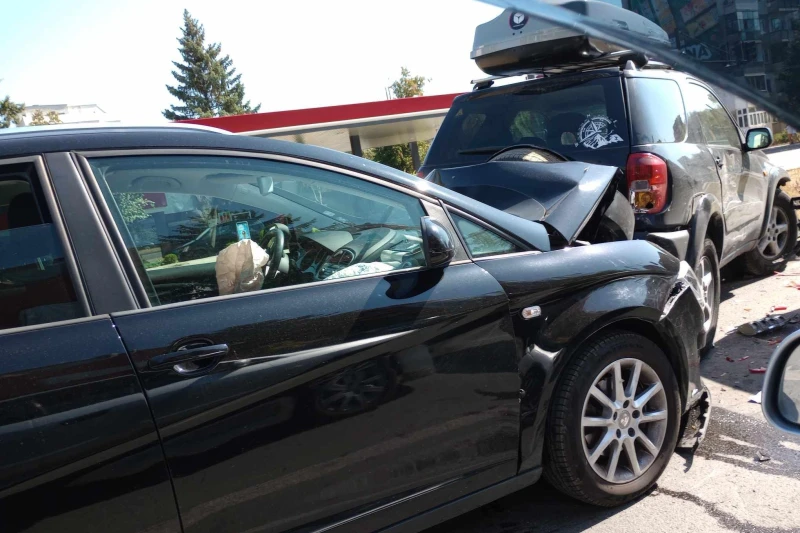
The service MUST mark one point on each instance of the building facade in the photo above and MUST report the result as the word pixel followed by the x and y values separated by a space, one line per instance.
pixel 69 114
pixel 743 39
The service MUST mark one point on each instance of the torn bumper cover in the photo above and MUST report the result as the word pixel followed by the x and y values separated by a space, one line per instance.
pixel 683 310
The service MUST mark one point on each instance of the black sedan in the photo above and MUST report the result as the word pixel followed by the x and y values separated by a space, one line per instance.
pixel 389 353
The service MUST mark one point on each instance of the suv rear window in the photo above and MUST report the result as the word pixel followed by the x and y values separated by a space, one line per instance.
pixel 572 115
pixel 657 111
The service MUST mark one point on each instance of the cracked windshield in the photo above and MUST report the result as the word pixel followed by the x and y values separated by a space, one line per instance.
pixel 499 266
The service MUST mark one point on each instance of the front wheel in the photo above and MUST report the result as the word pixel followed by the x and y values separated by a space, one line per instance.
pixel 778 241
pixel 614 421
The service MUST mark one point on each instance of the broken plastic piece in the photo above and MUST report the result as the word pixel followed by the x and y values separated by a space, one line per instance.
pixel 755 398
pixel 757 370
pixel 778 308
pixel 762 457
pixel 762 325
pixel 728 359
pixel 746 357
pixel 773 342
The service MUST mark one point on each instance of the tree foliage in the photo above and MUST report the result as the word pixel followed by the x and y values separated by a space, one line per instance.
pixel 208 85
pixel 399 155
pixel 10 112
pixel 789 77
pixel 132 206
pixel 39 118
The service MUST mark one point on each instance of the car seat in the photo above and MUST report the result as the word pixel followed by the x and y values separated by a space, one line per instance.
pixel 560 124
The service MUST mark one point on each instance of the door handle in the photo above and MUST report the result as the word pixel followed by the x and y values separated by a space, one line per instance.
pixel 718 161
pixel 190 353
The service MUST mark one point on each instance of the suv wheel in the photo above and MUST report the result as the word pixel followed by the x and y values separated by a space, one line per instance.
pixel 778 240
pixel 614 420
pixel 707 271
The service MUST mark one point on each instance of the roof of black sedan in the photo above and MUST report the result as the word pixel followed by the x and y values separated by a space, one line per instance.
pixel 20 142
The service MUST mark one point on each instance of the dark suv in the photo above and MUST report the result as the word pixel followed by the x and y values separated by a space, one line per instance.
pixel 700 187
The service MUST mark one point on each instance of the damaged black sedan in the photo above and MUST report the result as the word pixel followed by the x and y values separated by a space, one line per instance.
pixel 206 332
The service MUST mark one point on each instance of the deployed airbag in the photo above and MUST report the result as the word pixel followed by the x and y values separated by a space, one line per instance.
pixel 240 267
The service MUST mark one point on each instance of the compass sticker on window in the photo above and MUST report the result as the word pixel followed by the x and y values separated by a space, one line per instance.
pixel 597 131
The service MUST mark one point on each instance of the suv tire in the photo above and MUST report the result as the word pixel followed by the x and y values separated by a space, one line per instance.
pixel 579 423
pixel 778 241
pixel 707 271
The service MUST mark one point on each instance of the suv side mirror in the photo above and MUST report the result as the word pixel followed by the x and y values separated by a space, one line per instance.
pixel 758 138
pixel 780 396
pixel 437 244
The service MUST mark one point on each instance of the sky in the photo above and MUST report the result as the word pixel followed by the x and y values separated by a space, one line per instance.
pixel 292 54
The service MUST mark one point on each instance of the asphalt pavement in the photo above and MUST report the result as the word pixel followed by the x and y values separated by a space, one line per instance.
pixel 722 487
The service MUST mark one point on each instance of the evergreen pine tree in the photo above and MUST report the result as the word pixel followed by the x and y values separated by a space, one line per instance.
pixel 208 85
pixel 10 112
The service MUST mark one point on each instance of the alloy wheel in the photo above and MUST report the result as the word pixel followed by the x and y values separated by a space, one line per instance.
pixel 624 420
pixel 706 275
pixel 773 242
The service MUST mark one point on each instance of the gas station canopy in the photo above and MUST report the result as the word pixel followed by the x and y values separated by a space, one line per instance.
pixel 348 128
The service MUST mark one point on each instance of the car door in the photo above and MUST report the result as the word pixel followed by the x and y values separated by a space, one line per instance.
pixel 743 188
pixel 78 447
pixel 355 380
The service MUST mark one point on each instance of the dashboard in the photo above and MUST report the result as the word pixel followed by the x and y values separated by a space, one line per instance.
pixel 324 253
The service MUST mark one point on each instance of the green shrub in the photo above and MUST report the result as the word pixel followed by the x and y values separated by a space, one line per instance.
pixel 169 259
pixel 781 138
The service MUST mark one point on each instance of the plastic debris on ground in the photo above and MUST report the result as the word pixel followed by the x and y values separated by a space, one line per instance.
pixel 773 342
pixel 762 457
pixel 762 325
pixel 757 370
pixel 755 398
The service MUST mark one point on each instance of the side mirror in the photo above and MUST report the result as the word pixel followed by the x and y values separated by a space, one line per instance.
pixel 758 138
pixel 437 244
pixel 780 396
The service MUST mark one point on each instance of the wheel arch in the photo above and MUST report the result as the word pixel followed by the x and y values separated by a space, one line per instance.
pixel 706 221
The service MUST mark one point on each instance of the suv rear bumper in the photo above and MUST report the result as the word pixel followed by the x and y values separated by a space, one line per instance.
pixel 674 242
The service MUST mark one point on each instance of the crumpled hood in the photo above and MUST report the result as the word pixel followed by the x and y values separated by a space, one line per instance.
pixel 564 195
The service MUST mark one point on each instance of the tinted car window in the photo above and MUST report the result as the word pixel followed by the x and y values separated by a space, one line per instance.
pixel 35 286
pixel 657 111
pixel 708 114
pixel 572 115
pixel 336 226
pixel 482 242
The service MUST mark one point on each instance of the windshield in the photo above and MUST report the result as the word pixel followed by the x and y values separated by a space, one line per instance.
pixel 572 115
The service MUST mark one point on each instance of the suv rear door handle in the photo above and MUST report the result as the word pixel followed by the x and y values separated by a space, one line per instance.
pixel 190 353
pixel 718 161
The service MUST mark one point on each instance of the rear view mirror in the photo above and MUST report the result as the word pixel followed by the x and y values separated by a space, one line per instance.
pixel 437 244
pixel 780 397
pixel 758 138
pixel 265 185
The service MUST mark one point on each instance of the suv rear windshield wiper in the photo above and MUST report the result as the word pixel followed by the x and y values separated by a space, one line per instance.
pixel 482 150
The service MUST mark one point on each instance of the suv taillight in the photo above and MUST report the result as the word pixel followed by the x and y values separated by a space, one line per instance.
pixel 647 183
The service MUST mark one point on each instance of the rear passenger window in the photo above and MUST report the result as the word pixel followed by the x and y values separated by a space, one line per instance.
pixel 707 115
pixel 35 287
pixel 657 111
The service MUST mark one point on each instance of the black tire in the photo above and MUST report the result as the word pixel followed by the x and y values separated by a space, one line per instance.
pixel 709 256
pixel 566 466
pixel 754 261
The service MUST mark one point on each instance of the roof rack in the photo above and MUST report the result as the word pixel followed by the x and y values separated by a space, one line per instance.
pixel 624 59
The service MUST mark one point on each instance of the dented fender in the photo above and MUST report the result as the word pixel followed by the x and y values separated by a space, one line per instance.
pixel 630 285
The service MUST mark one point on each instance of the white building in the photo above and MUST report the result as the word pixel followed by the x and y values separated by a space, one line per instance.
pixel 69 114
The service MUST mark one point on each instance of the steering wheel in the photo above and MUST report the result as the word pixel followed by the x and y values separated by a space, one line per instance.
pixel 277 261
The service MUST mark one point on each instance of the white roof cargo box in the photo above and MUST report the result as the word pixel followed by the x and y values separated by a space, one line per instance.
pixel 514 43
